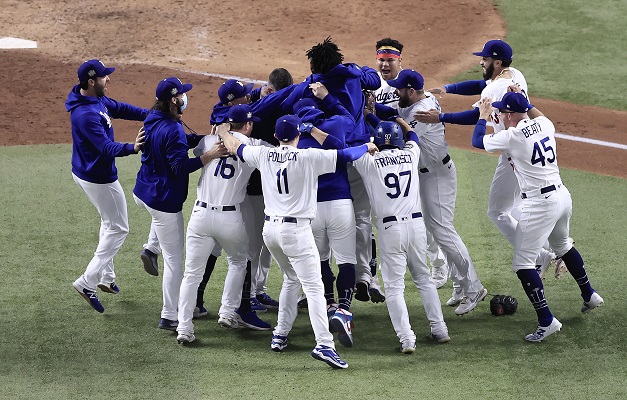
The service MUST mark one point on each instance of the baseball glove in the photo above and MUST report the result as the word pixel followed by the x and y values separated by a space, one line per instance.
pixel 503 305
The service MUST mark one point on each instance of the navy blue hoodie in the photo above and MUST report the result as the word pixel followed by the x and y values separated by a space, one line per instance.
pixel 345 82
pixel 93 146
pixel 163 177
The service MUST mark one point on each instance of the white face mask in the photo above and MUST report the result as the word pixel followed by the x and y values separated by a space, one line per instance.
pixel 184 98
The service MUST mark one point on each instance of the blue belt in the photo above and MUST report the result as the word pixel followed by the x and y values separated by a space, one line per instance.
pixel 445 161
pixel 542 191
pixel 393 218
pixel 285 219
pixel 223 208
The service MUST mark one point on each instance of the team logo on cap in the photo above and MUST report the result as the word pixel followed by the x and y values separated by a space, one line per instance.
pixel 174 91
pixel 249 115
pixel 230 96
pixel 91 72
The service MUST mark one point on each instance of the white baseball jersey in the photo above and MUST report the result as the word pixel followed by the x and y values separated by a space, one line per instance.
pixel 532 147
pixel 289 177
pixel 223 181
pixel 391 180
pixel 433 146
pixel 386 94
pixel 497 88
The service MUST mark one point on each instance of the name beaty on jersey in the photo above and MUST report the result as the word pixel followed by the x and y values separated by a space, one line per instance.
pixel 531 129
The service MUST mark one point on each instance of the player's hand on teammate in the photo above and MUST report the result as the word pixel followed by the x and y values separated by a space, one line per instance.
pixel 429 117
pixel 139 140
pixel 441 90
pixel 372 148
pixel 216 151
pixel 485 108
pixel 319 90
pixel 514 88
pixel 230 142
pixel 370 100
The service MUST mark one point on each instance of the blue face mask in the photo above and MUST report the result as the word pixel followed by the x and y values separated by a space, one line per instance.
pixel 184 98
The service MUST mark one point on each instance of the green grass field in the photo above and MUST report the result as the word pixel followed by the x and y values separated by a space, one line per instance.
pixel 54 346
pixel 568 50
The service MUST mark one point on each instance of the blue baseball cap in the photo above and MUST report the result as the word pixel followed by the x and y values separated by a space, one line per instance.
pixel 513 102
pixel 496 49
pixel 302 103
pixel 241 113
pixel 233 89
pixel 408 78
pixel 93 69
pixel 170 87
pixel 286 127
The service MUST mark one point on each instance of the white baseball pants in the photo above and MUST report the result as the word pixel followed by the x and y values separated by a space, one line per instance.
pixel 293 247
pixel 503 195
pixel 363 226
pixel 260 258
pixel 403 243
pixel 169 228
pixel 110 202
pixel 438 194
pixel 208 226
pixel 334 229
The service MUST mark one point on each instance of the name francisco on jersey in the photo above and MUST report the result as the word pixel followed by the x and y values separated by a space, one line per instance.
pixel 274 156
pixel 386 160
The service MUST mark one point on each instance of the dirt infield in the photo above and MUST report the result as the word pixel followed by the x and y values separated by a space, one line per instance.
pixel 149 40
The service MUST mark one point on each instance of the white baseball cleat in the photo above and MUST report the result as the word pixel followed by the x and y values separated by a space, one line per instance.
pixel 408 346
pixel 442 337
pixel 184 338
pixel 542 332
pixel 469 303
pixel 228 322
pixel 595 301
pixel 439 276
pixel 455 298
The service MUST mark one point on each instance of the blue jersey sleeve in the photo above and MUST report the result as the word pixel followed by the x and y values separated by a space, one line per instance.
pixel 468 117
pixel 369 78
pixel 386 113
pixel 466 88
pixel 351 154
pixel 118 109
pixel 479 133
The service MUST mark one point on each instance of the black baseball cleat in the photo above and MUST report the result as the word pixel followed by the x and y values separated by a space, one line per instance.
pixel 150 262
pixel 362 291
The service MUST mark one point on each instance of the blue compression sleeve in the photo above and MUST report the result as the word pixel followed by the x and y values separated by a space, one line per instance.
pixel 411 135
pixel 478 134
pixel 385 112
pixel 351 154
pixel 331 142
pixel 372 120
pixel 466 88
pixel 469 117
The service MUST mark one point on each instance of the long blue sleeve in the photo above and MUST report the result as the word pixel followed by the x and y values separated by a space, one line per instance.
pixel 373 120
pixel 411 136
pixel 466 88
pixel 370 78
pixel 351 154
pixel 468 117
pixel 118 109
pixel 479 133
pixel 331 142
pixel 384 112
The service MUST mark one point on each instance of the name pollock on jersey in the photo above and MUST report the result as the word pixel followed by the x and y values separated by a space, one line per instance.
pixel 531 129
pixel 282 157
pixel 381 162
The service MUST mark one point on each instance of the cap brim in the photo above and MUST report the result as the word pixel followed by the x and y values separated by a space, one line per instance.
pixel 481 54
pixel 395 84
pixel 186 88
pixel 255 119
pixel 248 88
pixel 499 105
pixel 107 71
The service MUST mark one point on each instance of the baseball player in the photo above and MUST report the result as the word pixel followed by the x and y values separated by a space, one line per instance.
pixel 392 181
pixel 334 226
pixel 389 59
pixel 290 178
pixel 438 184
pixel 498 75
pixel 93 169
pixel 529 139
pixel 345 81
pixel 162 182
pixel 217 218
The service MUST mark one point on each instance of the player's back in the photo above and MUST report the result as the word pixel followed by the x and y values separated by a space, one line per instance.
pixel 223 180
pixel 497 88
pixel 289 177
pixel 391 180
pixel 433 146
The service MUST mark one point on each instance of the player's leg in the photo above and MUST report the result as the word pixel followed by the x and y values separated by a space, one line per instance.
pixel 559 240
pixel 198 245
pixel 299 246
pixel 291 285
pixel 110 202
pixel 503 192
pixel 209 267
pixel 538 217
pixel 437 259
pixel 417 264
pixel 392 241
pixel 320 233
pixel 361 206
pixel 438 192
